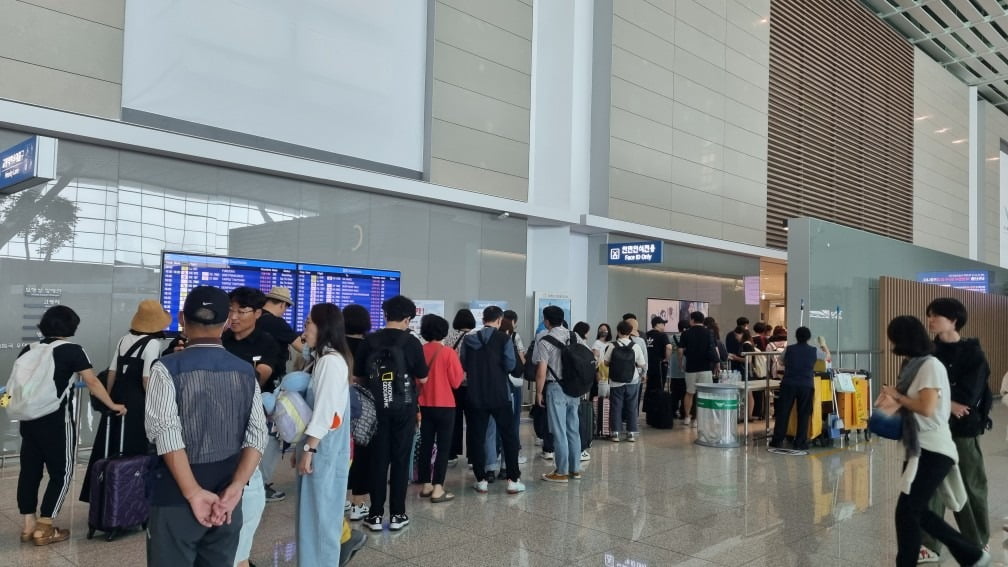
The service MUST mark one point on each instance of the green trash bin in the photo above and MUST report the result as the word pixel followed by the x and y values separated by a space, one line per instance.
pixel 717 415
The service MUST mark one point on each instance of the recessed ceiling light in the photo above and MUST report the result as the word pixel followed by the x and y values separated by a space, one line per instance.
pixel 921 117
pixel 959 141
pixel 941 130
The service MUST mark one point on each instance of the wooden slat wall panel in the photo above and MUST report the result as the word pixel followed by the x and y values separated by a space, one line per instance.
pixel 840 144
pixel 987 314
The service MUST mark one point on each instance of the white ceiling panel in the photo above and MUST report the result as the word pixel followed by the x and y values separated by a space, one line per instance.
pixel 967 37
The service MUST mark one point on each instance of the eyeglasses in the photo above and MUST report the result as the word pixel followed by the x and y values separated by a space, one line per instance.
pixel 240 312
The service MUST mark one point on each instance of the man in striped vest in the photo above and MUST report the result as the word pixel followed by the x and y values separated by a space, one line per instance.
pixel 204 413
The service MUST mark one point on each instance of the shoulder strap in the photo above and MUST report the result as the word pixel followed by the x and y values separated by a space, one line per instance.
pixel 138 346
pixel 433 358
pixel 554 341
pixel 458 341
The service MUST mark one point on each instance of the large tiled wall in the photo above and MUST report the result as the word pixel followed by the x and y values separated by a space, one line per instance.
pixel 482 96
pixel 688 127
pixel 941 158
pixel 63 54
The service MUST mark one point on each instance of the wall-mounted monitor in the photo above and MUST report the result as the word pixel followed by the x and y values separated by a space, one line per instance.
pixel 309 283
pixel 673 311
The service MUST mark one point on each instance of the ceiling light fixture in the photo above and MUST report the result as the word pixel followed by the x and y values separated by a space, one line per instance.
pixel 941 130
pixel 959 141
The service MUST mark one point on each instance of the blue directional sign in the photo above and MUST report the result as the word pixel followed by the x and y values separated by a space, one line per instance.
pixel 636 253
pixel 27 164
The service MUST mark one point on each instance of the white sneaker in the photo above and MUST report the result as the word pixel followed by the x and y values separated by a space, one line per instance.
pixel 522 460
pixel 927 556
pixel 546 456
pixel 481 486
pixel 585 456
pixel 686 421
pixel 515 487
pixel 346 505
pixel 631 437
pixel 359 512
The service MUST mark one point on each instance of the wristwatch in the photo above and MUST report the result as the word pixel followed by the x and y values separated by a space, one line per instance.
pixel 309 449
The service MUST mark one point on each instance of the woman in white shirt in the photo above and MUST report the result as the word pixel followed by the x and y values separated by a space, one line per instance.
pixel 923 399
pixel 324 458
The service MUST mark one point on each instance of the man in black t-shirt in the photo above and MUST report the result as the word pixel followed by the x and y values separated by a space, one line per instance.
pixel 278 301
pixel 733 344
pixel 698 348
pixel 259 349
pixel 659 348
pixel 393 439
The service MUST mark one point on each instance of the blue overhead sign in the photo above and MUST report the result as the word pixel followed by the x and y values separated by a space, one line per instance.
pixel 636 252
pixel 27 164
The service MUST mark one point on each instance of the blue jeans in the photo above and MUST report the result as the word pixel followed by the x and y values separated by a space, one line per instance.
pixel 623 407
pixel 516 405
pixel 490 446
pixel 562 412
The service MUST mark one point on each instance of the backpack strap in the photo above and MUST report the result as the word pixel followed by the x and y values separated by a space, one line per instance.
pixel 555 342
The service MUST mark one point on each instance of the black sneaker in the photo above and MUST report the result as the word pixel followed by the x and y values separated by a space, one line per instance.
pixel 398 522
pixel 274 495
pixel 373 523
pixel 352 546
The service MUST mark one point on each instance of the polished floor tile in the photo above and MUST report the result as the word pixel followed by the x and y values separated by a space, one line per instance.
pixel 660 501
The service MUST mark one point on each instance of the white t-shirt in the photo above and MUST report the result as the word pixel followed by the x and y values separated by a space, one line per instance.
pixel 599 347
pixel 933 431
pixel 150 353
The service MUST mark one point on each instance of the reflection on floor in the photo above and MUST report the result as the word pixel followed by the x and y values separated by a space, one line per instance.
pixel 660 501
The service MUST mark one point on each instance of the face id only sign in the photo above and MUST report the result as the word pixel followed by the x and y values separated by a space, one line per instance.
pixel 636 252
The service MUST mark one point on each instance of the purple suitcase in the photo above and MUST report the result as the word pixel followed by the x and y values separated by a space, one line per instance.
pixel 118 491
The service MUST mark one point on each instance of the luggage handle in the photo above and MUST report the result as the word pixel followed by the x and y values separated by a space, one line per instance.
pixel 108 432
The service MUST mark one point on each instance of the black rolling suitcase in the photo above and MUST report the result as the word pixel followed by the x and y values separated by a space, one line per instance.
pixel 661 409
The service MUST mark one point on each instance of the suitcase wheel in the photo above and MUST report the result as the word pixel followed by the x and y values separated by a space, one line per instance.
pixel 111 535
pixel 90 533
pixel 144 525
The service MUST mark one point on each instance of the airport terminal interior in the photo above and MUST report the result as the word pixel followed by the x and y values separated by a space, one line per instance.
pixel 823 164
pixel 660 501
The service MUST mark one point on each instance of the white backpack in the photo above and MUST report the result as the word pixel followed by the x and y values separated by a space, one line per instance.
pixel 31 386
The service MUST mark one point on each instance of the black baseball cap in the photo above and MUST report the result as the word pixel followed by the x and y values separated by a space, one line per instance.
pixel 656 320
pixel 206 304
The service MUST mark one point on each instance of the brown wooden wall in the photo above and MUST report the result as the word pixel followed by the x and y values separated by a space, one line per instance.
pixel 841 131
pixel 987 316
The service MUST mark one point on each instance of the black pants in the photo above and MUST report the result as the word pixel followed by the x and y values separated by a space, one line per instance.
pixel 913 515
pixel 677 388
pixel 540 424
pixel 436 424
pixel 176 538
pixel 460 405
pixel 360 471
pixel 46 442
pixel 479 418
pixel 802 396
pixel 390 461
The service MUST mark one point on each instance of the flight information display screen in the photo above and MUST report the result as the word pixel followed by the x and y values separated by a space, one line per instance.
pixel 309 283
pixel 343 286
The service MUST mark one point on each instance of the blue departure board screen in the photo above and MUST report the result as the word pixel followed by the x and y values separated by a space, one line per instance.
pixel 343 286
pixel 309 283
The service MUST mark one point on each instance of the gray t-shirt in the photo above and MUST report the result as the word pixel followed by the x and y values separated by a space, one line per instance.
pixel 544 351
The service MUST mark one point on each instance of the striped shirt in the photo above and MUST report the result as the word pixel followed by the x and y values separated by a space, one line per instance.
pixel 207 432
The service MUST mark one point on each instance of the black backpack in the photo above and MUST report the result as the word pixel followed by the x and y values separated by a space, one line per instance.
pixel 978 420
pixel 622 363
pixel 579 366
pixel 530 367
pixel 388 377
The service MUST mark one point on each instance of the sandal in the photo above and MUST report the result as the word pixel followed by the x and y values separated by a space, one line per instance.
pixel 443 498
pixel 27 536
pixel 427 493
pixel 50 534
